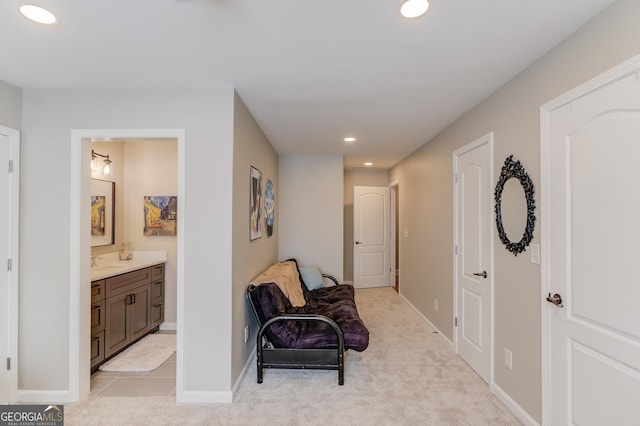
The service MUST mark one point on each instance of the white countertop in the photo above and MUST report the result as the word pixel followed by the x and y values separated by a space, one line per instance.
pixel 111 265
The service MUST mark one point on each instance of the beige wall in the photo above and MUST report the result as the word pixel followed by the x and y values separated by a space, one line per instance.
pixel 48 118
pixel 10 106
pixel 356 178
pixel 427 190
pixel 151 168
pixel 311 211
pixel 250 148
pixel 143 167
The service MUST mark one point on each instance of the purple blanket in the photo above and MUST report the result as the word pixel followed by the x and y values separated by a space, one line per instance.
pixel 336 302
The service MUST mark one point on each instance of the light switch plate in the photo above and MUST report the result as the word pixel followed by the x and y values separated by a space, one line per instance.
pixel 535 253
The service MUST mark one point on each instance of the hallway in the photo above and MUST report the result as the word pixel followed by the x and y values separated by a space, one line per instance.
pixel 408 375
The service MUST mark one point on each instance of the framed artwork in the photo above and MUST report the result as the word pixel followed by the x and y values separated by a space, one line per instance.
pixel 102 212
pixel 269 207
pixel 160 215
pixel 255 204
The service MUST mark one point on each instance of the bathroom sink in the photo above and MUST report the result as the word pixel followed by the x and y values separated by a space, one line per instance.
pixel 104 270
pixel 110 265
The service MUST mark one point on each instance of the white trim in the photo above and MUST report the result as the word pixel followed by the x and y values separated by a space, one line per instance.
pixel 429 323
pixel 168 326
pixel 618 72
pixel 13 282
pixel 347 282
pixel 393 218
pixel 486 139
pixel 515 408
pixel 243 373
pixel 44 396
pixel 79 369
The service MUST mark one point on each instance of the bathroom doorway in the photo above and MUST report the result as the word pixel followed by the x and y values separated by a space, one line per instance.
pixel 82 144
pixel 144 175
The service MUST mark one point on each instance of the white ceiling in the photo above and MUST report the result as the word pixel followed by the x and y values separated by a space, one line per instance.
pixel 310 72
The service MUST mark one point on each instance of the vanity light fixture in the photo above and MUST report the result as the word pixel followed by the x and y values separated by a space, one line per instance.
pixel 106 168
pixel 38 14
pixel 368 164
pixel 350 139
pixel 414 8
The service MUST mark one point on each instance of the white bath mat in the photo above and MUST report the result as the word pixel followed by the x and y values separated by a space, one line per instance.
pixel 146 355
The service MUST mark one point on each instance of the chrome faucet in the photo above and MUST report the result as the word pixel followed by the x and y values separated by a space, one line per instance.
pixel 94 260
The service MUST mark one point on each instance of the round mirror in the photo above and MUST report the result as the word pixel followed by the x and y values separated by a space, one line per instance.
pixel 515 206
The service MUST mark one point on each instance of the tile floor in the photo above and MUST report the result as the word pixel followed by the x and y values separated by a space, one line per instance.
pixel 159 382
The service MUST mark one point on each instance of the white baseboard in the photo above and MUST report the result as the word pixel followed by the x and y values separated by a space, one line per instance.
pixel 43 396
pixel 218 397
pixel 347 282
pixel 205 397
pixel 172 326
pixel 245 369
pixel 445 338
pixel 515 408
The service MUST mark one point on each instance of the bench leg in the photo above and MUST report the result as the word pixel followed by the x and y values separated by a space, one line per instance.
pixel 259 364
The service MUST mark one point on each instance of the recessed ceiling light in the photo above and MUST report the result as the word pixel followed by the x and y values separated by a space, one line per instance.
pixel 38 14
pixel 368 163
pixel 414 8
pixel 350 139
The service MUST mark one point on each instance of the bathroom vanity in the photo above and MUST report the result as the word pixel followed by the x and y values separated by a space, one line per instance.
pixel 127 302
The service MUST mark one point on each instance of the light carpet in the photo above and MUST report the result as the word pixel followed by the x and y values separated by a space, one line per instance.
pixel 145 355
pixel 407 376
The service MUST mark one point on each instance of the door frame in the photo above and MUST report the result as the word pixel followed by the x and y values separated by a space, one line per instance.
pixel 394 217
pixel 486 139
pixel 618 72
pixel 79 241
pixel 387 224
pixel 13 284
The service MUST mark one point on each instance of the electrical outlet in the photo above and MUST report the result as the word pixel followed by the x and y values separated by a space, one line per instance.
pixel 406 233
pixel 535 253
pixel 508 359
pixel 435 304
pixel 246 333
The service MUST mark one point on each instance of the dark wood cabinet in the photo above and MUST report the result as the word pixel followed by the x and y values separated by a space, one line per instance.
pixel 157 295
pixel 125 308
pixel 98 320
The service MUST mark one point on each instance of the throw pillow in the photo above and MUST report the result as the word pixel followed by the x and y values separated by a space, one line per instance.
pixel 312 277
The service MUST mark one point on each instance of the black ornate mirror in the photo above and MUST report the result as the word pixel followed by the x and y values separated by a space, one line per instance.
pixel 515 206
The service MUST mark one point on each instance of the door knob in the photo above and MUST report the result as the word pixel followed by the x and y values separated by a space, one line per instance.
pixel 482 274
pixel 555 299
pixel 358 242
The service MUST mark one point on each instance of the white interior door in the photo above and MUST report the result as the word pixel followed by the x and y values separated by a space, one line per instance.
pixel 591 343
pixel 474 264
pixel 371 236
pixel 9 175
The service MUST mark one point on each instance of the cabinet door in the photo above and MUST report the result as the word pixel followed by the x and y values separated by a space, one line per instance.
pixel 117 325
pixel 157 314
pixel 97 348
pixel 140 312
pixel 98 316
pixel 157 291
pixel 157 272
pixel 97 291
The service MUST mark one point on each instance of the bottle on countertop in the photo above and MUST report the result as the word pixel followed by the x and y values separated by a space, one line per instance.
pixel 125 251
